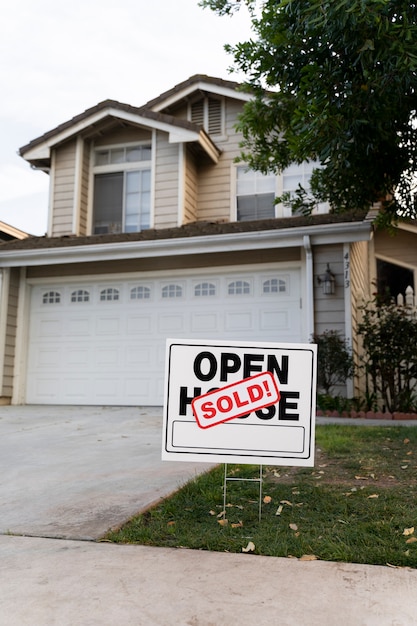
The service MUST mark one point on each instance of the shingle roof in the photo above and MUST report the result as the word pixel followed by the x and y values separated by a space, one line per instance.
pixel 194 229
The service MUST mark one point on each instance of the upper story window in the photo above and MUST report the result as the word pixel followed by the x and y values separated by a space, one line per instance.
pixel 299 174
pixel 255 194
pixel 122 189
pixel 208 112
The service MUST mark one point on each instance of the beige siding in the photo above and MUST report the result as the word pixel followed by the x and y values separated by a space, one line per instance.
pixel 166 183
pixel 329 311
pixel 215 194
pixel 123 135
pixel 190 189
pixel 10 345
pixel 249 257
pixel 400 247
pixel 360 288
pixel 63 189
pixel 85 175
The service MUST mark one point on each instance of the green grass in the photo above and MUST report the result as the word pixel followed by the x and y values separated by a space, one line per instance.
pixel 353 506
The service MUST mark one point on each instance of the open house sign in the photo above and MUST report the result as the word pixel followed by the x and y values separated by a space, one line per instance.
pixel 238 402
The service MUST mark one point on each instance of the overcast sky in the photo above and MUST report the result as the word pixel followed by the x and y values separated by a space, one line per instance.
pixel 60 58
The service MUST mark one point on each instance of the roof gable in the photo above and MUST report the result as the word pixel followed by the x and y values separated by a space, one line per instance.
pixel 38 151
pixel 195 84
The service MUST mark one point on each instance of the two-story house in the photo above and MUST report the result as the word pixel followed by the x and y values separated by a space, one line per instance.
pixel 156 231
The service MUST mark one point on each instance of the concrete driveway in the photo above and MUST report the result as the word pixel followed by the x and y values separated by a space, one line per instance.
pixel 74 472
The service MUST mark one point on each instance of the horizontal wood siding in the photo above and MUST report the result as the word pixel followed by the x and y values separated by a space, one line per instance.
pixel 249 257
pixel 215 196
pixel 360 291
pixel 85 175
pixel 400 247
pixel 10 344
pixel 329 311
pixel 166 183
pixel 190 190
pixel 63 190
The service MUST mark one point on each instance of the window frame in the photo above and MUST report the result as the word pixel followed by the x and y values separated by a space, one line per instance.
pixel 234 193
pixel 123 168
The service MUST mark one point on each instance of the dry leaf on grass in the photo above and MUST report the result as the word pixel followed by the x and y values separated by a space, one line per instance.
pixel 374 495
pixel 293 526
pixel 223 522
pixel 279 510
pixel 286 502
pixel 267 499
pixel 308 557
pixel 237 525
pixel 408 531
pixel 170 523
pixel 406 441
pixel 249 548
pixel 411 540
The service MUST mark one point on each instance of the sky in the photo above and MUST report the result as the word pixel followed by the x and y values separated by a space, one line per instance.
pixel 59 58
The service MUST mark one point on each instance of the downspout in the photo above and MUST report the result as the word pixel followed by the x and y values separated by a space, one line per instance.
pixel 309 288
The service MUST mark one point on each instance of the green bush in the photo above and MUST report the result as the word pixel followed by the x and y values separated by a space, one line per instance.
pixel 389 335
pixel 334 360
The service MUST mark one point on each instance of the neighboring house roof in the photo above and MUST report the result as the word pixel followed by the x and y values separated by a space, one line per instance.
pixel 11 233
pixel 90 122
pixel 196 238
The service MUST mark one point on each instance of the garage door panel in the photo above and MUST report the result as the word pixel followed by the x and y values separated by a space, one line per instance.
pixel 89 350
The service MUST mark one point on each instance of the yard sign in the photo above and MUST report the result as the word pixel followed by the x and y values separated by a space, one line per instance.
pixel 238 402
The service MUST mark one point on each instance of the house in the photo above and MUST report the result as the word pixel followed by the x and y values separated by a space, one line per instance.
pixel 156 231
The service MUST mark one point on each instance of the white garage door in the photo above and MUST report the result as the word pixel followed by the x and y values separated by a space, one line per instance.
pixel 104 342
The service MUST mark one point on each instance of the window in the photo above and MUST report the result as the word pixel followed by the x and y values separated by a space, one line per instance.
pixel 172 291
pixel 208 112
pixel 238 288
pixel 109 294
pixel 393 279
pixel 205 289
pixel 122 189
pixel 80 295
pixel 255 194
pixel 140 293
pixel 51 297
pixel 296 175
pixel 275 285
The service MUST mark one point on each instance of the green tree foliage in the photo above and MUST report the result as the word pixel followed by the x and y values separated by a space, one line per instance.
pixel 335 81
pixel 334 360
pixel 389 335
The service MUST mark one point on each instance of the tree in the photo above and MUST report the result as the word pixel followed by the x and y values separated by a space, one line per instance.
pixel 335 82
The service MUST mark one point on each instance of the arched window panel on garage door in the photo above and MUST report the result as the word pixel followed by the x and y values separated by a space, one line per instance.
pixel 141 292
pixel 109 294
pixel 205 289
pixel 239 288
pixel 172 291
pixel 51 297
pixel 274 286
pixel 80 295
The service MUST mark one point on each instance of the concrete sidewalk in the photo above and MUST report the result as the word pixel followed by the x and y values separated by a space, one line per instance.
pixel 74 472
pixel 46 582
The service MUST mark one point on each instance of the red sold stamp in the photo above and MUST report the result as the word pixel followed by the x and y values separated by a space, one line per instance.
pixel 235 400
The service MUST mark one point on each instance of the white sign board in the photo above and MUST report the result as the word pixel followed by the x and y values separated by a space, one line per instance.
pixel 239 402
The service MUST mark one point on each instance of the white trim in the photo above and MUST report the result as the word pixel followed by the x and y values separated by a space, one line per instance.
pixel 181 184
pixel 52 176
pixel 22 335
pixel 153 178
pixel 320 234
pixel 347 288
pixel 4 297
pixel 76 209
pixel 176 133
pixel 309 315
pixel 211 88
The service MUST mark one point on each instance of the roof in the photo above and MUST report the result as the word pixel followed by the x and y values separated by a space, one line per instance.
pixel 195 83
pixel 192 230
pixel 8 232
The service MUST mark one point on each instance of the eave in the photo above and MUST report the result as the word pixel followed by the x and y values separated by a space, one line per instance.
pixel 321 234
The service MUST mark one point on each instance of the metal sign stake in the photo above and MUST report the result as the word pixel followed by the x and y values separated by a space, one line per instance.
pixel 249 480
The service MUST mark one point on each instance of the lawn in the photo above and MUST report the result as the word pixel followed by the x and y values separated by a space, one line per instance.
pixel 358 504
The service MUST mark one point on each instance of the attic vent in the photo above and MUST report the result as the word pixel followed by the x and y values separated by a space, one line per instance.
pixel 207 112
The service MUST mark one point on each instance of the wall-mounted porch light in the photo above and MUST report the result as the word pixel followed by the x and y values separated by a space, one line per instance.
pixel 327 281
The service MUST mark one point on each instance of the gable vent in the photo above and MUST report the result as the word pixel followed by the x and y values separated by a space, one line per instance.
pixel 207 112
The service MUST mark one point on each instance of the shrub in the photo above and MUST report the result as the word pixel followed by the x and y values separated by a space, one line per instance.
pixel 389 335
pixel 334 360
